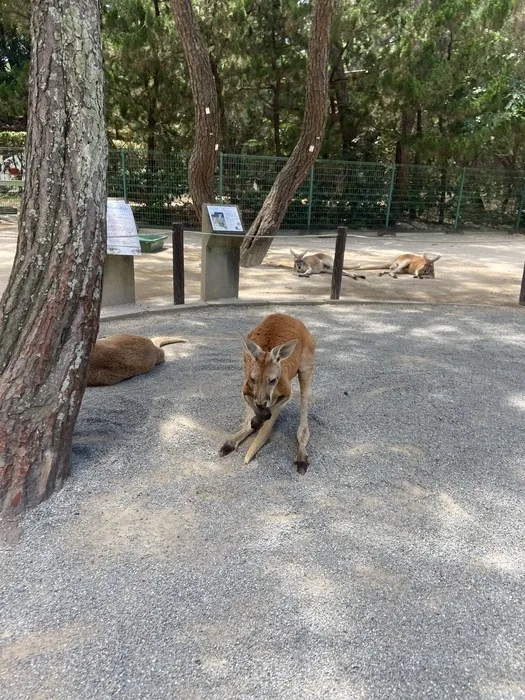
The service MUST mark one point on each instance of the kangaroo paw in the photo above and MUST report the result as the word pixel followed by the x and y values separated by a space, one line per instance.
pixel 301 465
pixel 226 449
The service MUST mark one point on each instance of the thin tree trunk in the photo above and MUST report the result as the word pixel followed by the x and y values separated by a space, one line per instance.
pixel 270 217
pixel 413 213
pixel 223 119
pixel 402 184
pixel 276 117
pixel 348 125
pixel 49 311
pixel 152 92
pixel 203 161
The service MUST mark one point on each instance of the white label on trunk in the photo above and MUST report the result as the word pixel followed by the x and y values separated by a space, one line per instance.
pixel 216 146
pixel 207 110
pixel 311 149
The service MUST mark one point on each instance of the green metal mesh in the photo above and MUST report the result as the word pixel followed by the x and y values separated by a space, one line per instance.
pixel 492 199
pixel 349 194
pixel 246 180
pixel 155 185
pixel 424 194
pixel 358 195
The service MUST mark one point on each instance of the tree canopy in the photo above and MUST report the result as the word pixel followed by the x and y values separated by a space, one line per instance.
pixel 419 81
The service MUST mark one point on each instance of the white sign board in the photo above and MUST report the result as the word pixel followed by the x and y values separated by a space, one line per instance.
pixel 224 217
pixel 123 237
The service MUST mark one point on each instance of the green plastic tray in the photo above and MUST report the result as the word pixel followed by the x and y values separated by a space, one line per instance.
pixel 151 243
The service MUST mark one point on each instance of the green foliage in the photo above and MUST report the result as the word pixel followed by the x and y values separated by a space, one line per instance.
pixel 14 67
pixel 12 139
pixel 437 83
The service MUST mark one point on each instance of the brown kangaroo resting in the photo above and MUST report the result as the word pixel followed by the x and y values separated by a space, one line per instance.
pixel 315 264
pixel 280 348
pixel 419 266
pixel 124 356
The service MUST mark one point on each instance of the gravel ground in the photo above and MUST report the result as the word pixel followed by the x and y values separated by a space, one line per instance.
pixel 393 569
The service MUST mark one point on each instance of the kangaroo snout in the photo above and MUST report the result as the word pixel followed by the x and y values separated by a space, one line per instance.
pixel 264 411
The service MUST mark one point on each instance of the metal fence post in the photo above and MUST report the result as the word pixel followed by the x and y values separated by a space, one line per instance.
pixel 390 195
pixel 310 197
pixel 460 197
pixel 339 261
pixel 124 174
pixel 177 237
pixel 221 175
pixel 520 208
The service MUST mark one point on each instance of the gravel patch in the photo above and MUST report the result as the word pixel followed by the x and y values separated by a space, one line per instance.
pixel 393 569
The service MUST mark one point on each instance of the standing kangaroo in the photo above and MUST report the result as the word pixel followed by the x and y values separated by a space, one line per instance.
pixel 277 350
pixel 315 264
pixel 419 266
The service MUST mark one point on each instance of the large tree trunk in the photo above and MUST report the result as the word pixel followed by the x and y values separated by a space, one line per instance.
pixel 270 217
pixel 203 161
pixel 49 311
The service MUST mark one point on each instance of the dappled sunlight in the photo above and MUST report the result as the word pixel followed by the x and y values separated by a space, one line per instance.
pixel 517 401
pixel 403 543
pixel 371 449
pixel 452 512
pixel 178 424
pixel 503 562
pixel 136 525
pixel 436 334
pixel 379 327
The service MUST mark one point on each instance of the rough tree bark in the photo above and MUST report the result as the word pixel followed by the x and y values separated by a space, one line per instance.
pixel 268 220
pixel 49 311
pixel 203 161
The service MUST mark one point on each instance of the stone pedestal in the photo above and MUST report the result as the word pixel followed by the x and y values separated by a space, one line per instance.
pixel 220 258
pixel 119 280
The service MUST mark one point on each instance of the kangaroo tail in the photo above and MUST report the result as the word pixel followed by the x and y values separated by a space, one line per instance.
pixel 166 340
pixel 378 266
pixel 261 437
pixel 353 275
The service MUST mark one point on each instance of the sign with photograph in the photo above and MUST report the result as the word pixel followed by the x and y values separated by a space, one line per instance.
pixel 225 218
pixel 123 238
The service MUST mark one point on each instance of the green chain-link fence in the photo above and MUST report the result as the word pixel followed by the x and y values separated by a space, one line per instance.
pixel 359 195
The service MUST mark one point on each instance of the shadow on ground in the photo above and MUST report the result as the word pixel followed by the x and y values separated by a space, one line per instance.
pixel 393 569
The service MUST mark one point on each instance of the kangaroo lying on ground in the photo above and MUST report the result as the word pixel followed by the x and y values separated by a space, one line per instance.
pixel 124 356
pixel 277 350
pixel 315 264
pixel 417 265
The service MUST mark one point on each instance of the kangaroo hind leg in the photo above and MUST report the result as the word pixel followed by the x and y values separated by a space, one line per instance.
pixel 303 432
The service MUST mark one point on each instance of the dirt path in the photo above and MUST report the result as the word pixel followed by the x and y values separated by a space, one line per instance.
pixel 484 268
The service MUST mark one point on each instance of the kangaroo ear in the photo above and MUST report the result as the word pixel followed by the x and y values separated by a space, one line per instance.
pixel 252 348
pixel 431 258
pixel 296 254
pixel 281 352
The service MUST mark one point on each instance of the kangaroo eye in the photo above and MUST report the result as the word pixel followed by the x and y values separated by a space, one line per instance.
pixel 272 381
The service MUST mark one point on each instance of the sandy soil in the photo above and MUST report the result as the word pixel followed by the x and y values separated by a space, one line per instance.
pixel 481 268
